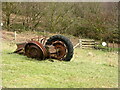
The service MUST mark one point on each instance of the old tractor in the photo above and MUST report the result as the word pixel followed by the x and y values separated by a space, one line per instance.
pixel 56 47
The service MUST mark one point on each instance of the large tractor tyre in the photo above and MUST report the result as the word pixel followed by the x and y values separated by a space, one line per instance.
pixel 66 42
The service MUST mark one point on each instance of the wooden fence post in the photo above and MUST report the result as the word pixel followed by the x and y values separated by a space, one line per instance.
pixel 113 45
pixel 80 43
pixel 15 36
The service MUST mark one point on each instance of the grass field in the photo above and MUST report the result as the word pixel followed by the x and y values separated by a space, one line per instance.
pixel 87 69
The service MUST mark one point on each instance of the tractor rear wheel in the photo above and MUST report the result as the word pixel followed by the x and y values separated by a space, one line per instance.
pixel 63 46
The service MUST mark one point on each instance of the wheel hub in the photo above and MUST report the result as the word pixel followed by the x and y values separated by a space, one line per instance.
pixel 60 50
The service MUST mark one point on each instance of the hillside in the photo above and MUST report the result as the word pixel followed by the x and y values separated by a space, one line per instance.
pixel 88 68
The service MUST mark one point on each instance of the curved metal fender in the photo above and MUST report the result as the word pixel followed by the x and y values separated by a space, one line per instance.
pixel 40 46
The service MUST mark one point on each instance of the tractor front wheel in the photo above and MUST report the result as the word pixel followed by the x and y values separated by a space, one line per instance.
pixel 33 51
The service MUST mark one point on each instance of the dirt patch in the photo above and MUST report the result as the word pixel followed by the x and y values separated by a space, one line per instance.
pixel 20 37
pixel 27 36
pixel 7 36
pixel 113 45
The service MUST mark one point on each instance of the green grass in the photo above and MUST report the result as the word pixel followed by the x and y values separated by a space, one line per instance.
pixel 87 69
pixel 107 48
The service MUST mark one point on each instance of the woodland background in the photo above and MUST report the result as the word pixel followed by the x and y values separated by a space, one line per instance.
pixel 94 20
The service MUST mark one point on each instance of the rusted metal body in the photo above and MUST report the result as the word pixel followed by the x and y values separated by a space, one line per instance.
pixel 20 47
pixel 34 49
pixel 37 49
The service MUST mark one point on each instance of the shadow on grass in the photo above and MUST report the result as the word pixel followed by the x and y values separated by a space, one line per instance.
pixel 31 59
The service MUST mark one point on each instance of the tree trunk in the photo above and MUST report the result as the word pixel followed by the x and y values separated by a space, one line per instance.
pixel 8 21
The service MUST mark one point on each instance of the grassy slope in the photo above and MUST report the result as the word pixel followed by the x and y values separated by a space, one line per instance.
pixel 87 69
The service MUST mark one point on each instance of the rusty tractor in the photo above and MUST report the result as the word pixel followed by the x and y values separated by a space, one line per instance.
pixel 56 47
